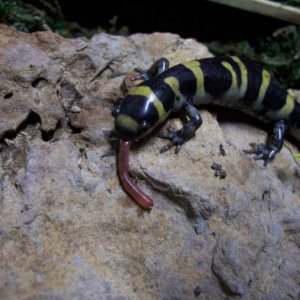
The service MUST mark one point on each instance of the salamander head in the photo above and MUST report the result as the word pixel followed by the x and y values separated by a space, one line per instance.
pixel 135 117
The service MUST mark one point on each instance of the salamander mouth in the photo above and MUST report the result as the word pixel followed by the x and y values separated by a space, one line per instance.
pixel 124 133
pixel 134 132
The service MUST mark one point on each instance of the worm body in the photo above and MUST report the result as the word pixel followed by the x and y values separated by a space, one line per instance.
pixel 129 186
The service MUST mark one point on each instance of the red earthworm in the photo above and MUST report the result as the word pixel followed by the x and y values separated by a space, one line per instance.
pixel 123 165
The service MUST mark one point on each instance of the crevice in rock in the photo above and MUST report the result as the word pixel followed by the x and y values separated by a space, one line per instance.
pixel 15 145
pixel 32 119
pixel 229 269
pixel 54 133
pixel 223 284
pixel 39 82
pixel 179 198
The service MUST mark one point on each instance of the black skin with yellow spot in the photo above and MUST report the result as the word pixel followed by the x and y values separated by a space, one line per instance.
pixel 234 82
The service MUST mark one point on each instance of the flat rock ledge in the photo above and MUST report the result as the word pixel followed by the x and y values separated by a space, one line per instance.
pixel 68 230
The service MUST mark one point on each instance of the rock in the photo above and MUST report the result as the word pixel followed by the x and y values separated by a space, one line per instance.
pixel 68 230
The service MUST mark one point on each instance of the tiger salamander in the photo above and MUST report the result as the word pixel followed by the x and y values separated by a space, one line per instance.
pixel 231 81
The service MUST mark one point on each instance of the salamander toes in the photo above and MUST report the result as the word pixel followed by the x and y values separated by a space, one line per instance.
pixel 175 140
pixel 262 151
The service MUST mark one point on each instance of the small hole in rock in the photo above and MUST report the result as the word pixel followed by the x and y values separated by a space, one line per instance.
pixel 76 130
pixel 39 82
pixel 47 135
pixel 8 95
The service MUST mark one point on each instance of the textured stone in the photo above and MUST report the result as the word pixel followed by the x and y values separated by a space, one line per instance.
pixel 68 230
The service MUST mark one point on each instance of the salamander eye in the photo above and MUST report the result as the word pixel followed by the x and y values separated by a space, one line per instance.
pixel 144 126
pixel 116 111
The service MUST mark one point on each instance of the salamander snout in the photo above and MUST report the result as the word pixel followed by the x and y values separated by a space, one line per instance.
pixel 130 124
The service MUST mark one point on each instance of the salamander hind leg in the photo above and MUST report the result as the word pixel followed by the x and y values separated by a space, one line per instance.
pixel 267 152
pixel 158 67
pixel 179 137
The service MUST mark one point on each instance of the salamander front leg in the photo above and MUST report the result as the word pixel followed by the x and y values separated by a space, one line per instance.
pixel 158 67
pixel 267 152
pixel 186 132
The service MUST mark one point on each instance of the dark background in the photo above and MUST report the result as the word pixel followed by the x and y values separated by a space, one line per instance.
pixel 205 21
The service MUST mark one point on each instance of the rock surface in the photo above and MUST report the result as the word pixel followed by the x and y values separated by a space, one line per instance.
pixel 68 230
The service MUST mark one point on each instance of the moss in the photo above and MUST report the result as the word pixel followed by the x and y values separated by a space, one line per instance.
pixel 47 15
